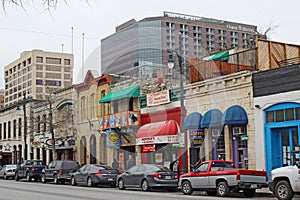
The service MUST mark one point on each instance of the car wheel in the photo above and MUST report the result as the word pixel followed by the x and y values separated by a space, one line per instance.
pixel 145 185
pixel 187 188
pixel 89 182
pixel 5 177
pixel 43 178
pixel 222 189
pixel 249 193
pixel 283 191
pixel 73 181
pixel 121 184
pixel 28 178
pixel 55 179
pixel 16 177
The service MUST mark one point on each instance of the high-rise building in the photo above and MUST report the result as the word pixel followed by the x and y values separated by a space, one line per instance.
pixel 145 42
pixel 1 98
pixel 36 74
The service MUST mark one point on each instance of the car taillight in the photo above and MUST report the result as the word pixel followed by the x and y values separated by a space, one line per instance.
pixel 60 172
pixel 119 172
pixel 156 175
pixel 176 176
pixel 99 172
pixel 32 169
pixel 9 170
pixel 238 176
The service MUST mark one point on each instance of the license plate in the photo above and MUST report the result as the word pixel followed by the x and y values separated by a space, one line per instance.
pixel 167 177
pixel 253 186
pixel 110 179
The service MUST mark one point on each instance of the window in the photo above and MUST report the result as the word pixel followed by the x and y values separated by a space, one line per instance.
pixel 14 128
pixel 279 115
pixel 202 168
pixel 298 113
pixel 44 123
pixel 39 82
pixel 39 59
pixel 67 61
pixel 53 60
pixel 289 114
pixel 20 128
pixel 270 116
pixel 9 129
pixel 0 131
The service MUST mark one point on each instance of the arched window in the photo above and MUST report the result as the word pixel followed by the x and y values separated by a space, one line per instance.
pixel 93 156
pixel 4 131
pixel 9 129
pixel 38 124
pixel 20 128
pixel 0 131
pixel 14 128
pixel 102 108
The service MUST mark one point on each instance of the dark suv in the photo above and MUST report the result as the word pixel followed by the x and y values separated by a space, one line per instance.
pixel 59 171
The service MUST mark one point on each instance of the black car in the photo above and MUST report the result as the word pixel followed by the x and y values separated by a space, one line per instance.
pixel 93 174
pixel 59 171
pixel 148 176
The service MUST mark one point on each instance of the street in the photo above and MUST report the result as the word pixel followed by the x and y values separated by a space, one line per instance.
pixel 12 190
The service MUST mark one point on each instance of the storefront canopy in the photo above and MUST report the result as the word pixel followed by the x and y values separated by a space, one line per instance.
pixel 235 115
pixel 219 56
pixel 169 127
pixel 212 118
pixel 192 121
pixel 133 91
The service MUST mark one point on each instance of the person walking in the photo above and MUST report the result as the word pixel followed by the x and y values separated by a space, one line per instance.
pixel 115 164
pixel 130 162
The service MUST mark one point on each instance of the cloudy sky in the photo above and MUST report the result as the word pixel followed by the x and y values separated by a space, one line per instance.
pixel 34 28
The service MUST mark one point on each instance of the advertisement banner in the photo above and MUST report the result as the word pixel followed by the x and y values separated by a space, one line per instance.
pixel 157 139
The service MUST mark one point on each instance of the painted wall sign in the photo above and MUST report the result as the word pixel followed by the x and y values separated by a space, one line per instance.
pixel 157 139
pixel 113 138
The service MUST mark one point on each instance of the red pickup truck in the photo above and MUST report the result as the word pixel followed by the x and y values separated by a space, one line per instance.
pixel 219 177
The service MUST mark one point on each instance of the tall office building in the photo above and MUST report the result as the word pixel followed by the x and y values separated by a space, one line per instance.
pixel 37 73
pixel 1 98
pixel 145 42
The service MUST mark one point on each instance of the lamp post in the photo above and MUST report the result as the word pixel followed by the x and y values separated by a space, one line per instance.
pixel 171 63
pixel 25 125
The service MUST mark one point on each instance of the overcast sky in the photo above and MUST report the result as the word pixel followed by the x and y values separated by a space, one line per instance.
pixel 35 28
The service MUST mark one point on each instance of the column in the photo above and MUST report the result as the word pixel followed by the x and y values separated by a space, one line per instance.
pixel 228 143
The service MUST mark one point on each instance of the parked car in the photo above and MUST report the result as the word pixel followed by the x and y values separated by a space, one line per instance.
pixel 92 175
pixel 147 176
pixel 59 171
pixel 8 171
pixel 29 169
pixel 220 177
pixel 284 182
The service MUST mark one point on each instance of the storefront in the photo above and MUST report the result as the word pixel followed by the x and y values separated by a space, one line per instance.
pixel 158 142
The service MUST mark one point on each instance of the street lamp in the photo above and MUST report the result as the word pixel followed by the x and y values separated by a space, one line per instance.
pixel 25 124
pixel 171 63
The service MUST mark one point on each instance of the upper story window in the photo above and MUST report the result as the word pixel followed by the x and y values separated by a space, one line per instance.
pixel 283 112
pixel 39 59
pixel 53 60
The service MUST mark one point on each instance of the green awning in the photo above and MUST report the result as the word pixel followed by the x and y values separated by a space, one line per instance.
pixel 224 55
pixel 133 91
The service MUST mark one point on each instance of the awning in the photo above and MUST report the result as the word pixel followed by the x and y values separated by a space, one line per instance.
pixel 235 115
pixel 158 132
pixel 65 102
pixel 133 91
pixel 224 55
pixel 212 118
pixel 192 121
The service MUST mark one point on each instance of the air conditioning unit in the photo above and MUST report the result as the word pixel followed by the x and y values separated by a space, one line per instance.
pixel 238 130
pixel 215 132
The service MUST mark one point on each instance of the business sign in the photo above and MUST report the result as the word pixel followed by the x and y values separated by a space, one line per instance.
pixel 148 148
pixel 113 138
pixel 157 139
pixel 158 98
pixel 197 137
pixel 58 142
pixel 6 147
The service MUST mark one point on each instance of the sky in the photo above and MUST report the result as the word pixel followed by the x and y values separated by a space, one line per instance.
pixel 36 28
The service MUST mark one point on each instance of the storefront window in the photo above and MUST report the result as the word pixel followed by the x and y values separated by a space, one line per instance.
pixel 298 113
pixel 289 114
pixel 279 115
pixel 270 116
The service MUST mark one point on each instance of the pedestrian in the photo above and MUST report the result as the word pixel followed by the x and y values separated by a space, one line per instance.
pixel 115 164
pixel 130 162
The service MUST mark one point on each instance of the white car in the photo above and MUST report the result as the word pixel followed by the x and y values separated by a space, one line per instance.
pixel 8 171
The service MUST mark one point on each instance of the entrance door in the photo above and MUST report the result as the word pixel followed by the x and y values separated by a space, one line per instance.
pixel 285 147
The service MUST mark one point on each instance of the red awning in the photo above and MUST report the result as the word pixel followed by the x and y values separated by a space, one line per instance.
pixel 169 127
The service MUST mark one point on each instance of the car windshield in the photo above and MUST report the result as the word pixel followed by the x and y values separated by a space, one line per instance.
pixel 69 165
pixel 222 166
pixel 37 163
pixel 11 166
pixel 156 168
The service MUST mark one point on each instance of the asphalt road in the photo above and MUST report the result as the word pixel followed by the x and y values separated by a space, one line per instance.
pixel 12 190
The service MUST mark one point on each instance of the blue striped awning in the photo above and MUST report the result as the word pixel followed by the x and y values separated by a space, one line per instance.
pixel 192 121
pixel 235 115
pixel 212 118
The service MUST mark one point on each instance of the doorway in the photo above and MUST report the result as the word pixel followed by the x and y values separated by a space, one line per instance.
pixel 285 147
